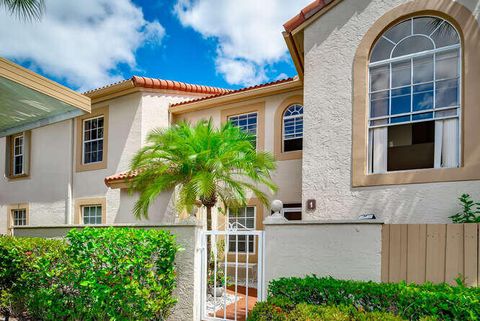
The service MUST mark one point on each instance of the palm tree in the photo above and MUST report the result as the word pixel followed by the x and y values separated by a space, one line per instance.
pixel 24 9
pixel 204 165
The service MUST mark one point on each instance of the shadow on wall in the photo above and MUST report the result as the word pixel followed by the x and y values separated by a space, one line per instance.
pixel 161 212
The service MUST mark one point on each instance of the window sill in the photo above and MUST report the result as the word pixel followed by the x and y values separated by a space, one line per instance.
pixel 91 166
pixel 418 176
pixel 18 177
pixel 297 154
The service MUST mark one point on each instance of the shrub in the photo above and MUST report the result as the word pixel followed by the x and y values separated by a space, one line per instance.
pixel 470 211
pixel 19 260
pixel 269 311
pixel 111 274
pixel 409 301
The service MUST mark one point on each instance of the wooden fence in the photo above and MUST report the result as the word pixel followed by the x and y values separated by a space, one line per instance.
pixel 430 252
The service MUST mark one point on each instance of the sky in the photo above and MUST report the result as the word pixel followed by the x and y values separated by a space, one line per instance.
pixel 85 44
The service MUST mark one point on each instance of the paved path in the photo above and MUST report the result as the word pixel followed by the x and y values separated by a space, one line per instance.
pixel 241 313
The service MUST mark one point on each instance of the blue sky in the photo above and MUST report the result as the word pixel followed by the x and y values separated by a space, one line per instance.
pixel 90 43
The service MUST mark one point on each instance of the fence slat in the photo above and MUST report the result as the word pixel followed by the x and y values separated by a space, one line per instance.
pixel 470 253
pixel 395 253
pixel 416 253
pixel 435 268
pixel 386 253
pixel 454 253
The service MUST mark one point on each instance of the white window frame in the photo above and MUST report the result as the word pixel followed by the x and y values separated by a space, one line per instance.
pixel 295 134
pixel 246 114
pixel 15 220
pixel 84 141
pixel 389 62
pixel 21 154
pixel 96 206
pixel 243 229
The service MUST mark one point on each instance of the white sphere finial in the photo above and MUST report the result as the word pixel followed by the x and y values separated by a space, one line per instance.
pixel 276 206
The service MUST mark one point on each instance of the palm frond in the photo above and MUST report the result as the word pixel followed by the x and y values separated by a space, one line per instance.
pixel 24 9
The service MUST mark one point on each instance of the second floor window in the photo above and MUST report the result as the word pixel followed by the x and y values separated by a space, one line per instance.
pixel 93 140
pixel 414 119
pixel 18 155
pixel 293 128
pixel 246 122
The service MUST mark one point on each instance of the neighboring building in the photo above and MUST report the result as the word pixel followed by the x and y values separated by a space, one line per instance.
pixel 68 161
pixel 390 124
pixel 403 146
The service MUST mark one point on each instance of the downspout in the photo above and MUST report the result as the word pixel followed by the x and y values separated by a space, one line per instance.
pixel 69 205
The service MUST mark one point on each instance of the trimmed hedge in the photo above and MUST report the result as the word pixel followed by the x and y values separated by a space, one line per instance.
pixel 273 311
pixel 97 274
pixel 409 301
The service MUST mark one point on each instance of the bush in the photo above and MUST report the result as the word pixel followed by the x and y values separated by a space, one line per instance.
pixel 409 301
pixel 268 311
pixel 101 274
pixel 19 260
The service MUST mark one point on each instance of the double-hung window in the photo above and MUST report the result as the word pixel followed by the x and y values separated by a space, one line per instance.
pixel 242 219
pixel 17 151
pixel 18 155
pixel 92 145
pixel 248 123
pixel 414 89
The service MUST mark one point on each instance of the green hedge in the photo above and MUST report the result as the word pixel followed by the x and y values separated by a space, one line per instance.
pixel 273 311
pixel 19 263
pixel 97 274
pixel 409 301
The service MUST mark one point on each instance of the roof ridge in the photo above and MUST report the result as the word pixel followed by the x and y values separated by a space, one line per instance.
pixel 234 91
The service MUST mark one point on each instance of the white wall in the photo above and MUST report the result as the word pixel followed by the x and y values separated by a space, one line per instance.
pixel 46 188
pixel 341 250
pixel 330 45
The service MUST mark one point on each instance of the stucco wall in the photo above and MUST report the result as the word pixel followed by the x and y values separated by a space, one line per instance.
pixel 187 262
pixel 330 45
pixel 341 250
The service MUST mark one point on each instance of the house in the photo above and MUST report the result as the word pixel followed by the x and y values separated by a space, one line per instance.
pixel 389 125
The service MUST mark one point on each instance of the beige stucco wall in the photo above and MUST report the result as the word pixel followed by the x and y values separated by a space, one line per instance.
pixel 187 261
pixel 52 169
pixel 341 250
pixel 288 175
pixel 330 45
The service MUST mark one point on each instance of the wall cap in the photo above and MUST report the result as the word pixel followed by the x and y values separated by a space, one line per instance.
pixel 187 224
pixel 326 222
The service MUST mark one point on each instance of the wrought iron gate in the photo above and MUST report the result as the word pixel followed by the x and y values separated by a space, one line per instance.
pixel 232 280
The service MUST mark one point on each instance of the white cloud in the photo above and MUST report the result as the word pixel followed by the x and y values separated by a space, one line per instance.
pixel 82 42
pixel 248 33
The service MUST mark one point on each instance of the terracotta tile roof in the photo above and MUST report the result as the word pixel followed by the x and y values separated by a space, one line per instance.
pixel 234 91
pixel 156 83
pixel 305 14
pixel 118 177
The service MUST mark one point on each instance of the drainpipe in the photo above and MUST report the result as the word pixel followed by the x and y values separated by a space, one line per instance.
pixel 69 203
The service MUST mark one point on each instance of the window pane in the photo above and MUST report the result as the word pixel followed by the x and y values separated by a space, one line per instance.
pixel 382 50
pixel 412 45
pixel 425 25
pixel 423 69
pixel 422 116
pixel 446 93
pixel 446 113
pixel 379 78
pixel 379 104
pixel 401 74
pixel 445 35
pixel 446 65
pixel 401 119
pixel 401 100
pixel 399 31
pixel 423 97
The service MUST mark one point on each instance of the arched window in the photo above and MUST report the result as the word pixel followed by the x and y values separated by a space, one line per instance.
pixel 293 128
pixel 414 91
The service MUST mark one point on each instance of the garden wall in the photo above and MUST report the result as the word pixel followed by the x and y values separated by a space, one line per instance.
pixel 187 261
pixel 344 250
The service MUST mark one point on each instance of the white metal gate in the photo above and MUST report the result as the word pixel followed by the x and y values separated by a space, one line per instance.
pixel 232 281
